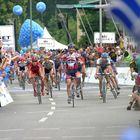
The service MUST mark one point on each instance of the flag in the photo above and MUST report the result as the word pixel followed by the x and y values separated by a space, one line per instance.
pixel 128 13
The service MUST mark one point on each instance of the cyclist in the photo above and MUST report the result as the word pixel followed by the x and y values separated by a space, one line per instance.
pixel 71 67
pixel 103 66
pixel 134 67
pixel 58 66
pixel 22 67
pixel 48 66
pixel 35 70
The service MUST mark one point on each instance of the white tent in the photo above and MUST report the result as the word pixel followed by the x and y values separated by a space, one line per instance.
pixel 49 42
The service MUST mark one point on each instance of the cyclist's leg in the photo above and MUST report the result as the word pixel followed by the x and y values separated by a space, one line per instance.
pixel 83 73
pixel 53 76
pixel 100 85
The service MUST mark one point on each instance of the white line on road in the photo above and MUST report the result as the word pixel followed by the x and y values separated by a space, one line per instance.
pixel 11 130
pixel 83 128
pixel 117 126
pixel 79 137
pixel 53 108
pixel 41 129
pixel 37 112
pixel 50 113
pixel 36 138
pixel 43 119
pixel 5 138
pixel 51 99
pixel 53 103
pixel 112 136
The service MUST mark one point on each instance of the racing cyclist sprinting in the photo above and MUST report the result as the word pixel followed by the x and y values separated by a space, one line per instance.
pixel 71 68
pixel 103 66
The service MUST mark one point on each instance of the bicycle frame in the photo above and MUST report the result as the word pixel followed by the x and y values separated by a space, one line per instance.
pixel 104 91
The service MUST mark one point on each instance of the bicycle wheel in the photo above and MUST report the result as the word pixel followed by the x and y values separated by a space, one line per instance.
pixel 104 90
pixel 113 89
pixel 72 93
pixel 23 82
pixel 50 89
pixel 81 91
pixel 39 91
pixel 58 81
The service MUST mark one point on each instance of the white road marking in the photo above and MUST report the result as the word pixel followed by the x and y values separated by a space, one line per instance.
pixel 83 128
pixel 5 138
pixel 36 138
pixel 79 137
pixel 41 129
pixel 37 112
pixel 53 108
pixel 43 119
pixel 112 136
pixel 11 130
pixel 50 114
pixel 53 103
pixel 117 126
pixel 51 99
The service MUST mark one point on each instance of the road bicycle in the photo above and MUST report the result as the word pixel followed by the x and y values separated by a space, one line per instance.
pixel 58 79
pixel 37 82
pixel 49 85
pixel 75 89
pixel 23 80
pixel 104 88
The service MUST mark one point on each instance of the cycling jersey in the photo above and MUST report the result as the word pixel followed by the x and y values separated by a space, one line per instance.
pixel 72 61
pixel 103 64
pixel 22 66
pixel 35 68
pixel 48 66
pixel 57 64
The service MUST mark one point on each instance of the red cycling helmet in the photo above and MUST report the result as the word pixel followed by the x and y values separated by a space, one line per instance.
pixel 34 59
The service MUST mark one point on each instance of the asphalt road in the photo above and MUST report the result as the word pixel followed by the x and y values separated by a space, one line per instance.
pixel 54 119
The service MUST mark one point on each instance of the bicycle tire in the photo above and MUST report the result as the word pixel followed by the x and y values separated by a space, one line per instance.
pixel 39 92
pixel 73 94
pixel 23 82
pixel 50 90
pixel 114 94
pixel 58 80
pixel 81 91
pixel 104 90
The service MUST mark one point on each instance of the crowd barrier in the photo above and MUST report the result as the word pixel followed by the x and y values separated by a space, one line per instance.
pixel 5 97
pixel 124 77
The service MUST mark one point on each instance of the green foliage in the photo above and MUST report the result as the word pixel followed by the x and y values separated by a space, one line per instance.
pixel 50 19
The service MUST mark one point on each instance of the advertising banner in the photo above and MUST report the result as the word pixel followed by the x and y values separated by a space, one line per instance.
pixel 7 37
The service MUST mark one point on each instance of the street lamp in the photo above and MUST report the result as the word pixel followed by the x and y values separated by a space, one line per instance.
pixel 31 37
pixel 100 24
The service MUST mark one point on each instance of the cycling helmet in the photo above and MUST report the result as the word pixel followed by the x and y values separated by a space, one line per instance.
pixel 104 55
pixel 71 45
pixel 34 59
pixel 22 58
